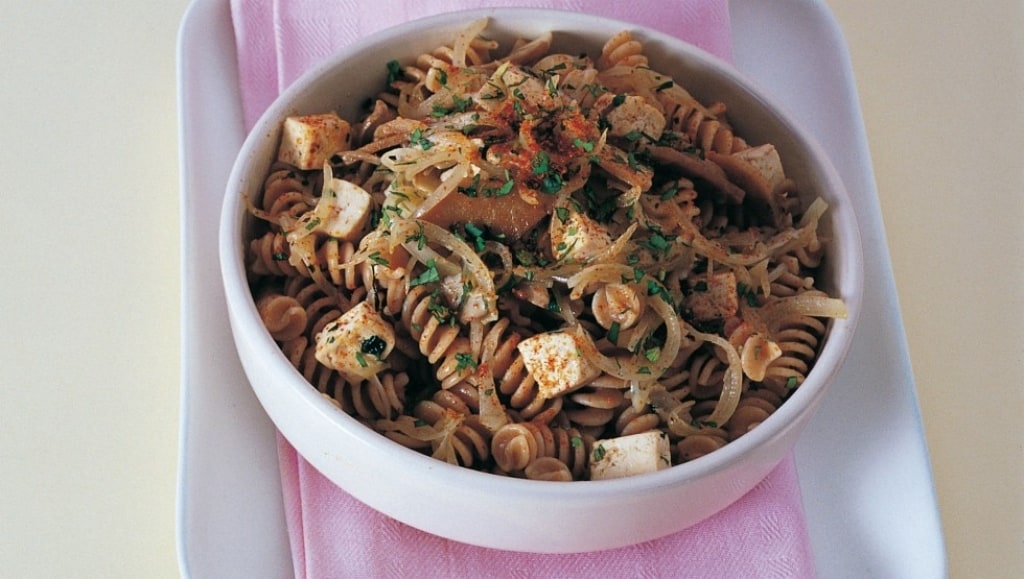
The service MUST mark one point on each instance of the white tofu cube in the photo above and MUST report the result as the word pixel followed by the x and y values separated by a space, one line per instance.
pixel 765 160
pixel 635 116
pixel 630 455
pixel 348 209
pixel 356 344
pixel 342 211
pixel 308 141
pixel 577 237
pixel 556 363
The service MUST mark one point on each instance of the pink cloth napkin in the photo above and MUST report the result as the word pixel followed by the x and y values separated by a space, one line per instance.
pixel 334 535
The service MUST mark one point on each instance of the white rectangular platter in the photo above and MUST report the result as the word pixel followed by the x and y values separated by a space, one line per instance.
pixel 863 463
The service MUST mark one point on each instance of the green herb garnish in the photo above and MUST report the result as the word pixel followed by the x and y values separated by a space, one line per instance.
pixel 429 275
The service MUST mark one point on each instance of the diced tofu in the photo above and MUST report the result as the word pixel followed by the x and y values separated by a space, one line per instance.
pixel 765 160
pixel 348 209
pixel 342 211
pixel 630 455
pixel 635 116
pixel 308 141
pixel 556 363
pixel 577 237
pixel 714 298
pixel 357 343
pixel 472 305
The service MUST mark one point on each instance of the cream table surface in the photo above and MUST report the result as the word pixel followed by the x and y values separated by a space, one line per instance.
pixel 89 225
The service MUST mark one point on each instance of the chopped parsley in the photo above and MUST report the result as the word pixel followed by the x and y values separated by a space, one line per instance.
pixel 476 235
pixel 428 275
pixel 375 257
pixel 613 333
pixel 374 345
pixel 394 71
pixel 438 310
pixel 746 292
pixel 541 163
pixel 581 144
pixel 562 213
pixel 417 138
pixel 552 183
pixel 419 237
pixel 657 243
pixel 465 360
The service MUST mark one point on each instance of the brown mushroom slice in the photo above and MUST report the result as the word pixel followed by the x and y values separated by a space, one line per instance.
pixel 510 214
pixel 758 170
pixel 380 114
pixel 399 126
pixel 388 135
pixel 693 166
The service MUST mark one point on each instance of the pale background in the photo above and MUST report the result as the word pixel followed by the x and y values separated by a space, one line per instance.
pixel 89 231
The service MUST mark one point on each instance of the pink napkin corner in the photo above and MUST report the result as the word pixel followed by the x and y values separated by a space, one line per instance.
pixel 278 40
pixel 764 534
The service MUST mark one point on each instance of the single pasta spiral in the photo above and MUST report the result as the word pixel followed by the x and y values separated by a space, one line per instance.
pixel 516 446
pixel 287 191
pixel 705 129
pixel 470 439
pixel 798 337
pixel 424 318
pixel 752 410
pixel 622 50
pixel 369 400
pixel 698 445
pixel 284 316
pixel 595 406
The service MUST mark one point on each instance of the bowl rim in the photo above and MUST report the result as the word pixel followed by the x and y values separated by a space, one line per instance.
pixel 827 364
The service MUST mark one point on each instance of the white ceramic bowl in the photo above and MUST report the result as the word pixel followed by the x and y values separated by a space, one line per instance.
pixel 508 513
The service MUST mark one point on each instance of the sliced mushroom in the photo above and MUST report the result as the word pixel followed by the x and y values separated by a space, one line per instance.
pixel 508 214
pixel 380 114
pixel 757 170
pixel 691 165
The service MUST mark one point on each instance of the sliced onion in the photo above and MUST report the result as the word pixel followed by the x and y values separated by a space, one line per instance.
pixel 471 265
pixel 814 303
pixel 492 414
pixel 732 383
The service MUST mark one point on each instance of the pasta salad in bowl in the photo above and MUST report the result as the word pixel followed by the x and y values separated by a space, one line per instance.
pixel 507 275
